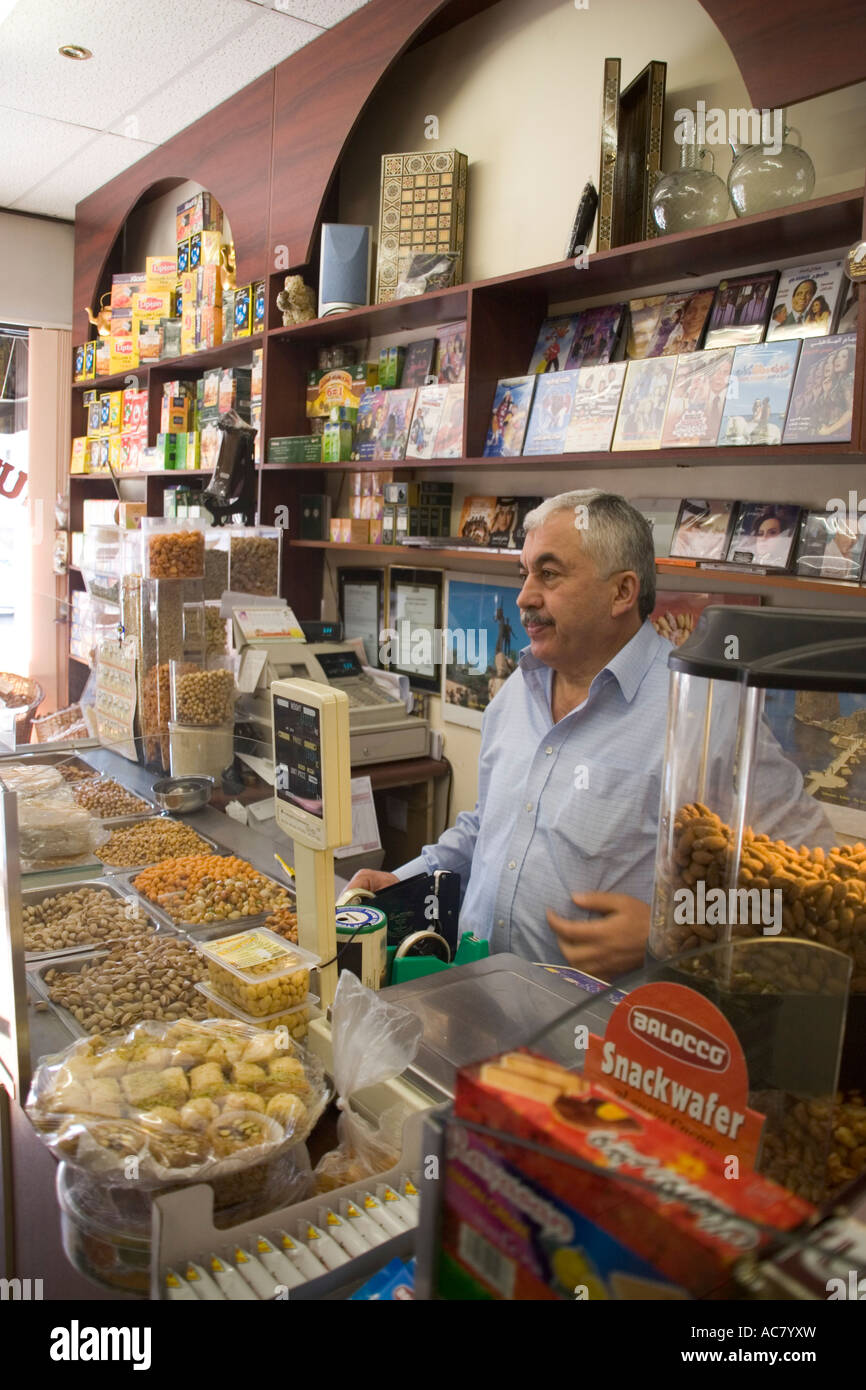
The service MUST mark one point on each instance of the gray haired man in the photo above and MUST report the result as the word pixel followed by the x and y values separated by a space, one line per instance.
pixel 572 751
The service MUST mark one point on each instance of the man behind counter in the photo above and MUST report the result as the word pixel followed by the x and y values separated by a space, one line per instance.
pixel 569 776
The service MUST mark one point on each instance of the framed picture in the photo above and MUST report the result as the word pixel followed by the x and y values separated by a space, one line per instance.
pixel 631 141
pixel 484 636
pixel 413 637
pixel 362 607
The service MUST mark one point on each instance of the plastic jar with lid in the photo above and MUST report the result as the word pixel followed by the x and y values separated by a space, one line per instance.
pixel 100 564
pixel 173 549
pixel 254 559
pixel 216 561
pixel 202 695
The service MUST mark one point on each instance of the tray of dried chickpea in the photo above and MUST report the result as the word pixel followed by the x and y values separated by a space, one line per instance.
pixel 143 842
pixel 295 1021
pixel 62 920
pixel 106 799
pixel 97 991
pixel 199 891
pixel 258 972
pixel 823 892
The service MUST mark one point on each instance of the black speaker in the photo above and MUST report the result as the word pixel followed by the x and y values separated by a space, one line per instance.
pixel 344 268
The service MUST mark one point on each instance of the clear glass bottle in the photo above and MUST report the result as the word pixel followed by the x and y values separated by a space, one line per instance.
pixel 760 181
pixel 692 196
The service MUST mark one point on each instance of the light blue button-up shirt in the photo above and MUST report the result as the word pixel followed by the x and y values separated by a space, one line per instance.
pixel 573 806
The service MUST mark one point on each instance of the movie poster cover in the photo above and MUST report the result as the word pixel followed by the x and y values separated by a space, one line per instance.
pixel 822 401
pixel 508 419
pixel 741 310
pixel 681 323
pixel 807 301
pixel 597 335
pixel 451 354
pixel 425 422
pixel 764 533
pixel 759 388
pixel 697 402
pixel 644 402
pixel 449 437
pixel 551 412
pixel 593 414
pixel 702 529
pixel 555 337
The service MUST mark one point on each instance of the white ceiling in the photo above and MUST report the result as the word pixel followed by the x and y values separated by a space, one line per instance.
pixel 68 127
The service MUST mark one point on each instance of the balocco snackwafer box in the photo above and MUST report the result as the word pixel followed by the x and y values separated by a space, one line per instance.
pixel 556 1221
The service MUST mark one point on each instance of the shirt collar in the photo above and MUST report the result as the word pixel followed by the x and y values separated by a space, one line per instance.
pixel 628 667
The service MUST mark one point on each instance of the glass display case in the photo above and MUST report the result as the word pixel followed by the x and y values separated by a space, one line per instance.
pixel 761 837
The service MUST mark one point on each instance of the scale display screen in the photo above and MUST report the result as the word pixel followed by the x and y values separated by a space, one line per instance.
pixel 298 755
pixel 339 665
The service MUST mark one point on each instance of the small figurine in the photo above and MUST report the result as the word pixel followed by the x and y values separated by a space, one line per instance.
pixel 102 320
pixel 228 266
pixel 296 302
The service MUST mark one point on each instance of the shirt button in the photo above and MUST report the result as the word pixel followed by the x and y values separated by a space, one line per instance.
pixel 529 805
pixel 501 922
pixel 548 750
pixel 512 863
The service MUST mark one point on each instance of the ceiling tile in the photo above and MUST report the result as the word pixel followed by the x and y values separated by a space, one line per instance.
pixel 216 74
pixel 150 76
pixel 103 157
pixel 33 147
pixel 136 49
pixel 327 13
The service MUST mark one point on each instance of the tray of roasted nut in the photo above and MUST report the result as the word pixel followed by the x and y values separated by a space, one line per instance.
pixel 153 977
pixel 139 842
pixel 209 895
pixel 96 912
pixel 109 802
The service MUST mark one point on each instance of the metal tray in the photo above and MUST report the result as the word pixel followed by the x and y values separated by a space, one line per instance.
pixel 121 870
pixel 49 1033
pixel 70 963
pixel 50 758
pixel 208 930
pixel 109 885
pixel 112 822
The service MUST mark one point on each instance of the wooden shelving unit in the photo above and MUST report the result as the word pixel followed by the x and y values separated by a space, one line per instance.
pixel 271 154
pixel 416 557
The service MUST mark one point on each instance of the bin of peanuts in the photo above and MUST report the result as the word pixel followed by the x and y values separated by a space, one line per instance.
pixel 764 770
pixel 258 972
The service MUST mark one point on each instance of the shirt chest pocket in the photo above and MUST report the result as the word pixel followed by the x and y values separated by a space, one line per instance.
pixel 607 810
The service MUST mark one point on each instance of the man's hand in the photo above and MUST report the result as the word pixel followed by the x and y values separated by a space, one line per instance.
pixel 610 944
pixel 374 879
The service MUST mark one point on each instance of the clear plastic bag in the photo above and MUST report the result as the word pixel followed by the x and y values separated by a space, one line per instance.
pixel 179 1102
pixel 53 830
pixel 373 1042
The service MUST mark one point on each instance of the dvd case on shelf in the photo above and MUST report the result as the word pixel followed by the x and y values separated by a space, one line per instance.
pixel 593 413
pixel 763 534
pixel 553 344
pixel 697 401
pixel 807 301
pixel 741 310
pixel 822 401
pixel 756 402
pixel 644 401
pixel 830 546
pixel 510 413
pixel 702 529
pixel 681 323
pixel 551 412
pixel 597 336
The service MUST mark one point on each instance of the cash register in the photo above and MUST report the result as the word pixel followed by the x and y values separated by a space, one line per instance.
pixel 380 728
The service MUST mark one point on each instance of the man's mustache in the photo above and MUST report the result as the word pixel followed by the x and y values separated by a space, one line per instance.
pixel 533 617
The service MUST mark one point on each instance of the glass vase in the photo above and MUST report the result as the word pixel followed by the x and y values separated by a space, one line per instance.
pixel 761 181
pixel 691 196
